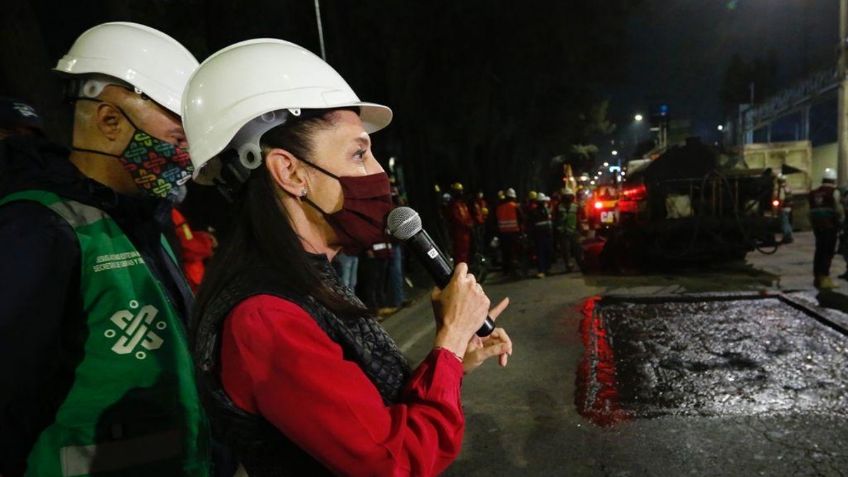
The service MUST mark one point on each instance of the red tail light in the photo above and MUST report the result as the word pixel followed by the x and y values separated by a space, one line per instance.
pixel 775 203
pixel 635 193
pixel 599 205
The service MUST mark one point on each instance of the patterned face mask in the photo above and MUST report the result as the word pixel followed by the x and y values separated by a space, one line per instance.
pixel 156 166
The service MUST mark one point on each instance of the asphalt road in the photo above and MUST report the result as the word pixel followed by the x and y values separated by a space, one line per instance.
pixel 596 387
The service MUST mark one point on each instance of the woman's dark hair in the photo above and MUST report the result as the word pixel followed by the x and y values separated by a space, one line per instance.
pixel 261 233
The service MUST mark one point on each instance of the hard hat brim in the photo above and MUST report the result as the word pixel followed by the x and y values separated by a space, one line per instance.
pixel 374 117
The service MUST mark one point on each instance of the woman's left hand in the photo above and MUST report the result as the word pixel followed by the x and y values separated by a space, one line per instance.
pixel 496 344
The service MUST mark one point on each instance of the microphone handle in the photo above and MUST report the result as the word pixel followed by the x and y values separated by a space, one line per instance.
pixel 434 261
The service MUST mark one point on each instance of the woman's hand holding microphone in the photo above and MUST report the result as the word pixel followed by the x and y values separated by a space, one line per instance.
pixel 460 309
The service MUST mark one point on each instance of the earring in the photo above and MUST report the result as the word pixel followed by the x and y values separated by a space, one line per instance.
pixel 303 192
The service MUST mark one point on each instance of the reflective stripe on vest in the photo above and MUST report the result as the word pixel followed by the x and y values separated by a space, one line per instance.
pixel 507 214
pixel 133 406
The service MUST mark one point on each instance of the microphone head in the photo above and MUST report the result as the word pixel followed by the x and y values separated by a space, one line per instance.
pixel 404 222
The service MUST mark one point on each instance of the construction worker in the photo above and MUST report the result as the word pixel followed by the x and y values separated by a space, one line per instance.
pixel 566 225
pixel 461 225
pixel 543 238
pixel 195 248
pixel 510 218
pixel 101 379
pixel 481 209
pixel 826 216
pixel 784 198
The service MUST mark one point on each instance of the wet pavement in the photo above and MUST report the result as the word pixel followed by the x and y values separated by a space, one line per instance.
pixel 714 358
pixel 733 369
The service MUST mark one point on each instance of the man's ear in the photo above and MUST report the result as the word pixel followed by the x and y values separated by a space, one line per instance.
pixel 109 121
pixel 285 170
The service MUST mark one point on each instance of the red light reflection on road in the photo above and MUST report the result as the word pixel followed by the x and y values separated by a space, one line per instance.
pixel 597 397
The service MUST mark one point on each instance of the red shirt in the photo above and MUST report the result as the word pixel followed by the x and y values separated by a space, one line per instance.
pixel 276 361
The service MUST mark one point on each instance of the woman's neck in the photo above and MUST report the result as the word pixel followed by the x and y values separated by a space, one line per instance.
pixel 314 232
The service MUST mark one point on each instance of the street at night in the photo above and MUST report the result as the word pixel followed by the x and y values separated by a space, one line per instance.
pixel 222 222
pixel 738 369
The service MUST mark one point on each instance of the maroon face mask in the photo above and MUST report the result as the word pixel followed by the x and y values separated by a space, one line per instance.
pixel 361 222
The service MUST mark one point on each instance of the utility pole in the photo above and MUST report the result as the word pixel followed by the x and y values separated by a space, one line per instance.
pixel 321 29
pixel 842 123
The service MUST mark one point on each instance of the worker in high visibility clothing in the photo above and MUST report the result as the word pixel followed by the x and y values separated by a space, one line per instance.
pixel 196 246
pixel 826 216
pixel 543 236
pixel 461 225
pixel 566 226
pixel 510 218
pixel 481 209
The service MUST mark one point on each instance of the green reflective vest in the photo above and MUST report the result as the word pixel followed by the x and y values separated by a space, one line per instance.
pixel 133 407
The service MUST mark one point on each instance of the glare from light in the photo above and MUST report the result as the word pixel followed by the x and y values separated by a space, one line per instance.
pixel 606 164
pixel 614 153
pixel 638 118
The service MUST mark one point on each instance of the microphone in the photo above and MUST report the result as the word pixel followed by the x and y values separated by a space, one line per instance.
pixel 405 225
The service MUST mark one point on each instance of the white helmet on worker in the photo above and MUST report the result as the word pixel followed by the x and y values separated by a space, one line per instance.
pixel 829 175
pixel 510 193
pixel 246 89
pixel 132 55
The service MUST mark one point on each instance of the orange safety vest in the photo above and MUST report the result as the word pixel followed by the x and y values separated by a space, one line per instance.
pixel 507 214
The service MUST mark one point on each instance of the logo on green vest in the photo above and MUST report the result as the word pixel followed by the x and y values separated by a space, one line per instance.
pixel 137 330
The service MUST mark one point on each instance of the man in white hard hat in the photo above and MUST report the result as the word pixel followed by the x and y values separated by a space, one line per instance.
pixel 510 219
pixel 92 338
pixel 826 216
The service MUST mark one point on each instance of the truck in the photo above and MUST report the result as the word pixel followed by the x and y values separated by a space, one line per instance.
pixel 794 160
pixel 694 203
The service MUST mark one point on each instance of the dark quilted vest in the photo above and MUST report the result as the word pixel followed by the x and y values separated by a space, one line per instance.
pixel 258 445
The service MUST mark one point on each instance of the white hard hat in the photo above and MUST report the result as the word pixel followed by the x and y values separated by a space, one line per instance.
pixel 244 90
pixel 542 197
pixel 149 60
pixel 511 193
pixel 829 174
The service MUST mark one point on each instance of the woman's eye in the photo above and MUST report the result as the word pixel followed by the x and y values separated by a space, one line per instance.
pixel 360 154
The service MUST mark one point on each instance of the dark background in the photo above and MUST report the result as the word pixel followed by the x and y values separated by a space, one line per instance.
pixel 493 94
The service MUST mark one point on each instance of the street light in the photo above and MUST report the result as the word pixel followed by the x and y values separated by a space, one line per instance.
pixel 614 153
pixel 606 164
pixel 720 127
pixel 638 118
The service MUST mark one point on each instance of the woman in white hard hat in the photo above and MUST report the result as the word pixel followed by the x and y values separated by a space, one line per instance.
pixel 298 376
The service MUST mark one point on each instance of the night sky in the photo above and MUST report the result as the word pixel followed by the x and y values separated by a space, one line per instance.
pixel 679 50
pixel 510 85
